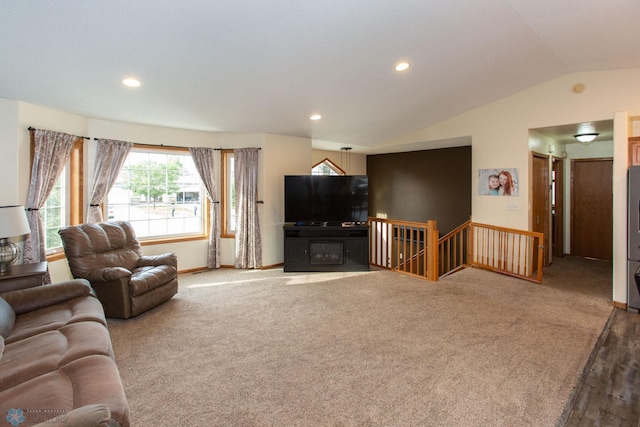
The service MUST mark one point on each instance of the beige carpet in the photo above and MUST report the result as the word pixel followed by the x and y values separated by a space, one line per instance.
pixel 267 348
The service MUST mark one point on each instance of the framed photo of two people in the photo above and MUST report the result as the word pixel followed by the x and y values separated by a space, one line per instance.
pixel 498 182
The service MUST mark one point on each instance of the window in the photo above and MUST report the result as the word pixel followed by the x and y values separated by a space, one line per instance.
pixel 160 193
pixel 54 214
pixel 326 167
pixel 228 208
pixel 64 206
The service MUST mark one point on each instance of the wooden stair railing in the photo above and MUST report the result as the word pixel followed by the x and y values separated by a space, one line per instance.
pixel 403 246
pixel 414 248
pixel 453 250
pixel 508 251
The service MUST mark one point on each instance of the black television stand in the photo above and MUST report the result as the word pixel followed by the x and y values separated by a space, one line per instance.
pixel 326 248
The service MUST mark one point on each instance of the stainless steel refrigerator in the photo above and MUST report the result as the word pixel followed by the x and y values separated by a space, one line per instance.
pixel 633 240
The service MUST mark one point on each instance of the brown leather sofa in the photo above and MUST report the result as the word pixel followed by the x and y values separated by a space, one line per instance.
pixel 56 359
pixel 108 254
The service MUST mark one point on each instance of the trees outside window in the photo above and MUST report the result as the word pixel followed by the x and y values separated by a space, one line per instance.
pixel 160 193
pixel 153 179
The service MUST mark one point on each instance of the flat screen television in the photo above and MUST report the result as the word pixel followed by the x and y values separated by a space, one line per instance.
pixel 326 199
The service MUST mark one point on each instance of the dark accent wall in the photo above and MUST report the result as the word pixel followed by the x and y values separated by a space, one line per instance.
pixel 422 185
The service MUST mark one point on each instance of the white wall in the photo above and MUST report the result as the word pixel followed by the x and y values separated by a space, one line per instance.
pixel 541 144
pixel 635 126
pixel 9 161
pixel 39 117
pixel 355 163
pixel 620 189
pixel 284 155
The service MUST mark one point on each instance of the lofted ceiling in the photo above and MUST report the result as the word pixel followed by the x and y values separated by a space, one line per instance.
pixel 266 66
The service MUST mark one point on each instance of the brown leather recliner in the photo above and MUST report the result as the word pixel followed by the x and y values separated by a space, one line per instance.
pixel 109 256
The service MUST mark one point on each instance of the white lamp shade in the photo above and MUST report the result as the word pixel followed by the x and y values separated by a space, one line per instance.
pixel 13 221
pixel 586 138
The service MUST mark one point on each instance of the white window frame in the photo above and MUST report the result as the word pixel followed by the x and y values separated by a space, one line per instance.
pixel 47 210
pixel 326 167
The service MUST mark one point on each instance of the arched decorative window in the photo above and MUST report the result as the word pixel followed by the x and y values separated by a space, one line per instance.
pixel 326 167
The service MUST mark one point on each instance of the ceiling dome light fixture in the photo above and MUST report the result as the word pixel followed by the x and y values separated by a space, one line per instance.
pixel 586 138
pixel 131 82
pixel 402 66
pixel 315 117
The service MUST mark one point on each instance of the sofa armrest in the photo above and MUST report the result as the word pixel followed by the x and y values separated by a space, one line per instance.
pixel 155 260
pixel 30 299
pixel 114 296
pixel 106 274
pixel 97 415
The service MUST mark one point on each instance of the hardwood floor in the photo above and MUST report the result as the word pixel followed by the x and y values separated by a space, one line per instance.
pixel 610 391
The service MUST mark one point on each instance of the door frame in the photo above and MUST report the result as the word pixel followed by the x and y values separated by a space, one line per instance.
pixel 546 217
pixel 557 208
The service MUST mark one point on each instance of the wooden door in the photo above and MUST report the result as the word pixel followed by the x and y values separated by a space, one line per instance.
pixel 540 200
pixel 557 207
pixel 592 208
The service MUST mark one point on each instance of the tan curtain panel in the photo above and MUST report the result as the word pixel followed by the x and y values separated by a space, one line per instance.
pixel 52 152
pixel 110 157
pixel 204 160
pixel 248 239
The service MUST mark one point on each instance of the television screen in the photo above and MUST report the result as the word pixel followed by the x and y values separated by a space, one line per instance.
pixel 312 199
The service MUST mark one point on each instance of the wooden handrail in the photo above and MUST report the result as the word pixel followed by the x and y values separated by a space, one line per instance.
pixel 398 222
pixel 453 250
pixel 414 248
pixel 403 246
pixel 455 231
pixel 517 253
pixel 510 230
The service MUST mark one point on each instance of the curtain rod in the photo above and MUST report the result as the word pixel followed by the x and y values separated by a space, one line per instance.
pixel 145 145
pixel 77 136
pixel 173 146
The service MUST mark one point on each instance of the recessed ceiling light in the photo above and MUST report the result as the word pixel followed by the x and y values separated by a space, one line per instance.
pixel 402 66
pixel 131 82
pixel 315 117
